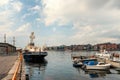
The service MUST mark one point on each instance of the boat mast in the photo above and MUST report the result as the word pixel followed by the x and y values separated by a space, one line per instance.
pixel 32 36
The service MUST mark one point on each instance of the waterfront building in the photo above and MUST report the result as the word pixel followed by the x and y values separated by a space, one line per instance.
pixel 61 48
pixel 87 47
pixel 108 46
pixel 118 46
pixel 6 48
pixel 96 47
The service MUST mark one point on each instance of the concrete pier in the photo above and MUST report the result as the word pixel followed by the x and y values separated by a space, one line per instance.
pixel 6 63
pixel 12 67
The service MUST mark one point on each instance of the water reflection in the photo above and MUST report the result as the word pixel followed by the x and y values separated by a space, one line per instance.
pixel 97 73
pixel 93 73
pixel 118 70
pixel 59 67
pixel 34 69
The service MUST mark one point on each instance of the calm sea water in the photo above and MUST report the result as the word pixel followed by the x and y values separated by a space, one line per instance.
pixel 59 66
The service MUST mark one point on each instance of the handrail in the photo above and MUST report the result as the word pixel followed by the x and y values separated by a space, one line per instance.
pixel 17 69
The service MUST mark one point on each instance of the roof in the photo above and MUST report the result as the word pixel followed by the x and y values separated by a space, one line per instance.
pixel 7 44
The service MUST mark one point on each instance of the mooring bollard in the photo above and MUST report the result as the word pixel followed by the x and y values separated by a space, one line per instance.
pixel 27 77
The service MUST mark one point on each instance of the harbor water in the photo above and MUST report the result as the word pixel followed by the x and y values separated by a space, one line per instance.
pixel 59 66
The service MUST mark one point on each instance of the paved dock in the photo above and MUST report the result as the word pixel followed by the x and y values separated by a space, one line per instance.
pixel 6 63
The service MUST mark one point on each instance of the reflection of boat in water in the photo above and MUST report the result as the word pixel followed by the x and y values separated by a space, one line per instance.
pixel 33 53
pixel 97 73
pixel 42 64
pixel 35 69
pixel 93 73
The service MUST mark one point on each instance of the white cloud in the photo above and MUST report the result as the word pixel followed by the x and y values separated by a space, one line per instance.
pixel 24 27
pixel 25 16
pixel 38 19
pixel 17 6
pixel 78 10
pixel 92 20
pixel 8 11
pixel 36 8
pixel 7 15
pixel 63 10
pixel 5 22
pixel 4 16
pixel 96 34
pixel 4 2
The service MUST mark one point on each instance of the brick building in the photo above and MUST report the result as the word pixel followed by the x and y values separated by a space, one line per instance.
pixel 107 46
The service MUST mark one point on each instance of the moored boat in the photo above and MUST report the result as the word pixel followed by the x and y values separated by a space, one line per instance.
pixel 116 57
pixel 80 61
pixel 77 64
pixel 33 53
pixel 104 54
pixel 93 65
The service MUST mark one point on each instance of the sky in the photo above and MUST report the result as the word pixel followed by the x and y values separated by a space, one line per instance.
pixel 60 22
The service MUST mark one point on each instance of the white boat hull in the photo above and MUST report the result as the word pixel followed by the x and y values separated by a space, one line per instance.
pixel 97 67
pixel 100 55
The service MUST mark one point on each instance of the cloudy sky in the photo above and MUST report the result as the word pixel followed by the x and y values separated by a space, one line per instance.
pixel 58 22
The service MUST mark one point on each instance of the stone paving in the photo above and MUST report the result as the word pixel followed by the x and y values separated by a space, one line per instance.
pixel 6 63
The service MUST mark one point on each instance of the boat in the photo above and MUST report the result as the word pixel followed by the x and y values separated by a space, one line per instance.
pixel 77 64
pixel 94 65
pixel 33 53
pixel 104 54
pixel 116 57
pixel 80 61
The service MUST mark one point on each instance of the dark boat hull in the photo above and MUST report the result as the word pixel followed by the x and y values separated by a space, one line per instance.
pixel 34 56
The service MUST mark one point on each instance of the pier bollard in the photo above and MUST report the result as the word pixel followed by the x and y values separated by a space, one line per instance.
pixel 27 77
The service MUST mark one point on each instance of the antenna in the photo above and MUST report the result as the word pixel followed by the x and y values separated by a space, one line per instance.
pixel 4 38
pixel 14 41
